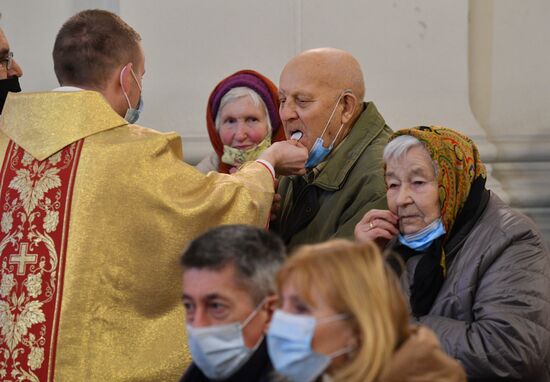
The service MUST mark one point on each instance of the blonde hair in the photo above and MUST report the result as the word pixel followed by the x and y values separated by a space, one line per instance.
pixel 354 279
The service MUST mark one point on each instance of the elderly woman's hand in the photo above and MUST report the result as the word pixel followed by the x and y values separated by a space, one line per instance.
pixel 378 225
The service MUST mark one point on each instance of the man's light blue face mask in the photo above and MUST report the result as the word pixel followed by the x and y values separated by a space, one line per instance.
pixel 220 350
pixel 318 151
pixel 132 114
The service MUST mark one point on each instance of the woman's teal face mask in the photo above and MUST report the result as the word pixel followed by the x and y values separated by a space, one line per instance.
pixel 289 341
pixel 235 157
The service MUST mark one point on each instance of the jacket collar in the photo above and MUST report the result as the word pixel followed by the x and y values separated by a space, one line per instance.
pixel 43 123
pixel 367 127
pixel 258 368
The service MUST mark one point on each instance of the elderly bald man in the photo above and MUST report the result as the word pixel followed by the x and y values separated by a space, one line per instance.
pixel 321 93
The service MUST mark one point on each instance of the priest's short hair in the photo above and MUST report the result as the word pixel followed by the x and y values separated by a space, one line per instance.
pixel 91 45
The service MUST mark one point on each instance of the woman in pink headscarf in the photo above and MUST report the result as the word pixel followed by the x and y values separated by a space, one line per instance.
pixel 242 118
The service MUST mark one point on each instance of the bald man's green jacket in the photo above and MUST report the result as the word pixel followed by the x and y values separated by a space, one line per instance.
pixel 349 184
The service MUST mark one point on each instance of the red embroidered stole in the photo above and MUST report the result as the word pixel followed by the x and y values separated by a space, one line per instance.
pixel 36 202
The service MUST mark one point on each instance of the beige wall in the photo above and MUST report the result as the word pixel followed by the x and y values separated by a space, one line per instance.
pixel 480 66
pixel 414 53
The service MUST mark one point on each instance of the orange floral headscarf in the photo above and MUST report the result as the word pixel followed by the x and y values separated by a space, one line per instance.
pixel 459 165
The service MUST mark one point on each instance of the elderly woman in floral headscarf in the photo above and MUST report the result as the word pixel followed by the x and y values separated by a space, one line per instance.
pixel 242 118
pixel 477 272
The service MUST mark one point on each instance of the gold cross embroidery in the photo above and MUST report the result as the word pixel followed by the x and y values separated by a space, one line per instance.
pixel 22 259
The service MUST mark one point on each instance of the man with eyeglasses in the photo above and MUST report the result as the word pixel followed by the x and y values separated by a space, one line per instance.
pixel 10 71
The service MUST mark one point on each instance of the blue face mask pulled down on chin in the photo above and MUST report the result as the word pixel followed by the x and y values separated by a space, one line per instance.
pixel 132 114
pixel 219 350
pixel 289 346
pixel 318 151
pixel 424 238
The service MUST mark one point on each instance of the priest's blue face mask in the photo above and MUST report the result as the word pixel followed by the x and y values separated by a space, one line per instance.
pixel 318 151
pixel 132 114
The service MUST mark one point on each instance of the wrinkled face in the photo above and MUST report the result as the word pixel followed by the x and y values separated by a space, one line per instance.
pixel 412 190
pixel 243 124
pixel 324 341
pixel 15 69
pixel 306 105
pixel 213 297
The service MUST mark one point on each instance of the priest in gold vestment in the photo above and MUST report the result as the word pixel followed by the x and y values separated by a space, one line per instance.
pixel 95 212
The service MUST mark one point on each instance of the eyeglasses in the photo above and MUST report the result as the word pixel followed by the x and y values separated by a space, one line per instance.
pixel 7 62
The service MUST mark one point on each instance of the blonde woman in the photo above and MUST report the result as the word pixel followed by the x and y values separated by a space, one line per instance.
pixel 343 318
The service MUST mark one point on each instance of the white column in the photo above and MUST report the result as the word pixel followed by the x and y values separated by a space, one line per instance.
pixel 510 96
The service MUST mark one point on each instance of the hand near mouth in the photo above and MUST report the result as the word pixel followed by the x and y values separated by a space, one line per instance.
pixel 378 225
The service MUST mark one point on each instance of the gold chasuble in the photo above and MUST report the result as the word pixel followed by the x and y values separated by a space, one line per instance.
pixel 94 215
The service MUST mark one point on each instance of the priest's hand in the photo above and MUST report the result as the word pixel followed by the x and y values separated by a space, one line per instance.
pixel 287 157
pixel 276 204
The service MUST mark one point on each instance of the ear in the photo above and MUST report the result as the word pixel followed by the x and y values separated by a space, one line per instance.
pixel 126 77
pixel 353 341
pixel 270 306
pixel 350 105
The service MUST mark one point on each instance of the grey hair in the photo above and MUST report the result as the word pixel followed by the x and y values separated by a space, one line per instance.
pixel 239 92
pixel 256 255
pixel 400 146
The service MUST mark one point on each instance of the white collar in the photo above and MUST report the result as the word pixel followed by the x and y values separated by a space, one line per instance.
pixel 67 89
